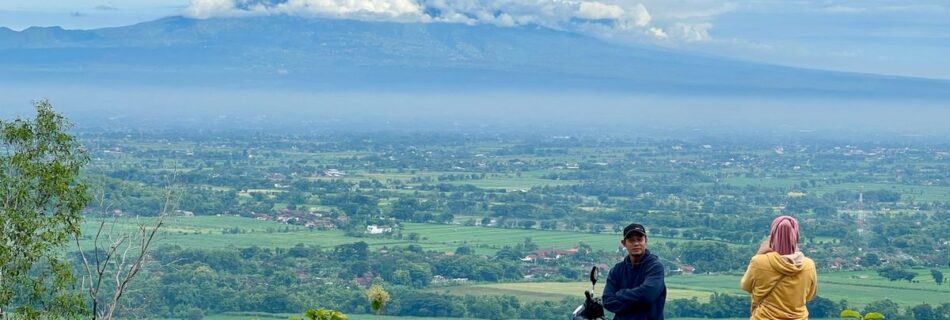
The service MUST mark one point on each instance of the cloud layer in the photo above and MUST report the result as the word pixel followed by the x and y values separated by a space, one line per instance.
pixel 597 17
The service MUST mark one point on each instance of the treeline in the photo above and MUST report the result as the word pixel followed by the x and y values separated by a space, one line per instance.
pixel 187 282
pixel 199 282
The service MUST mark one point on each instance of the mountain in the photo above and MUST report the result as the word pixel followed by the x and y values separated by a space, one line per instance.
pixel 326 54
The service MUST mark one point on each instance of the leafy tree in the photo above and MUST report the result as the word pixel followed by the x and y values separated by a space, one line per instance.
pixel 820 307
pixel 464 250
pixel 724 306
pixel 357 251
pixel 850 314
pixel 323 314
pixel 893 273
pixel 195 314
pixel 886 307
pixel 873 316
pixel 943 311
pixel 924 312
pixel 401 277
pixel 938 276
pixel 42 200
pixel 378 297
pixel 870 260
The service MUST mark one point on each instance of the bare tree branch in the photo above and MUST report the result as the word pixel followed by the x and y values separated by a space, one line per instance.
pixel 117 254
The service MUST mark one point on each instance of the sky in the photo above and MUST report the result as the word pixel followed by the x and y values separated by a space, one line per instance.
pixel 905 38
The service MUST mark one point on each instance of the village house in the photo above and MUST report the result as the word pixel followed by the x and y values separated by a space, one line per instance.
pixel 334 173
pixel 374 229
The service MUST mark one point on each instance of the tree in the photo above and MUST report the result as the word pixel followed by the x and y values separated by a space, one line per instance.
pixel 850 314
pixel 889 309
pixel 874 316
pixel 923 312
pixel 194 313
pixel 938 276
pixel 893 273
pixel 464 250
pixel 110 261
pixel 870 260
pixel 323 314
pixel 820 307
pixel 42 202
pixel 378 297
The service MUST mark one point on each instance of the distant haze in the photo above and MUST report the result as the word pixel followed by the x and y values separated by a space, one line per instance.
pixel 573 111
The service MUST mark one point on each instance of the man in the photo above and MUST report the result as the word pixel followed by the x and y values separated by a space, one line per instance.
pixel 635 287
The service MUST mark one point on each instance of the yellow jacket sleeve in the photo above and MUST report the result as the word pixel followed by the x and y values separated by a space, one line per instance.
pixel 748 280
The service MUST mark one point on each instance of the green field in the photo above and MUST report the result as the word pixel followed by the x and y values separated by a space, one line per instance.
pixel 761 182
pixel 264 316
pixel 858 287
pixel 514 183
pixel 452 236
pixel 915 192
pixel 550 291
pixel 206 232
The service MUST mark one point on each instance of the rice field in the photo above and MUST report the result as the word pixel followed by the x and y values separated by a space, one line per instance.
pixel 859 288
pixel 207 232
pixel 917 193
pixel 266 316
pixel 551 291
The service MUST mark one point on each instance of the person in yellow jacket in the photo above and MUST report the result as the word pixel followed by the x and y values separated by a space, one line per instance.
pixel 780 279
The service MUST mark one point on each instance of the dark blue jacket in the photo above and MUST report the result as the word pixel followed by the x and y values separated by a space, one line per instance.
pixel 636 291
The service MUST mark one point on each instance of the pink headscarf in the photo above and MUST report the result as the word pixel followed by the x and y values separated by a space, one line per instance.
pixel 784 235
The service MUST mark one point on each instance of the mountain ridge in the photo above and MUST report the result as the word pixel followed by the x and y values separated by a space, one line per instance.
pixel 330 54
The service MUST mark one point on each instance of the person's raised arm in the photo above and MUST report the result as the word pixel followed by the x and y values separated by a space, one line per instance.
pixel 747 282
pixel 813 289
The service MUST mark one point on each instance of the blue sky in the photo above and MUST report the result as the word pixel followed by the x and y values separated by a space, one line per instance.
pixel 910 38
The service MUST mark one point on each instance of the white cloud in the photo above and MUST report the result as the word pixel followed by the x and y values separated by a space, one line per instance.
pixel 207 8
pixel 597 10
pixel 598 16
pixel 658 33
pixel 407 10
pixel 679 10
pixel 691 32
pixel 397 10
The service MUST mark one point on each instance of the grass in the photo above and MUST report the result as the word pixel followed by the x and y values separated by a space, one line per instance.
pixel 205 232
pixel 859 288
pixel 916 192
pixel 453 236
pixel 550 291
pixel 514 183
pixel 761 182
pixel 263 316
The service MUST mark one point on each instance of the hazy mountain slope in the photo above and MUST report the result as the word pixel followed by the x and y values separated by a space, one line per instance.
pixel 322 54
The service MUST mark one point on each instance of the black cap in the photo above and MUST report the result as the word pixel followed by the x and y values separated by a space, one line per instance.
pixel 634 228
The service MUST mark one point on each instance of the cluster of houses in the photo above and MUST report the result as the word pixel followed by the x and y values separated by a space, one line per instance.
pixel 316 219
pixel 311 218
pixel 542 263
